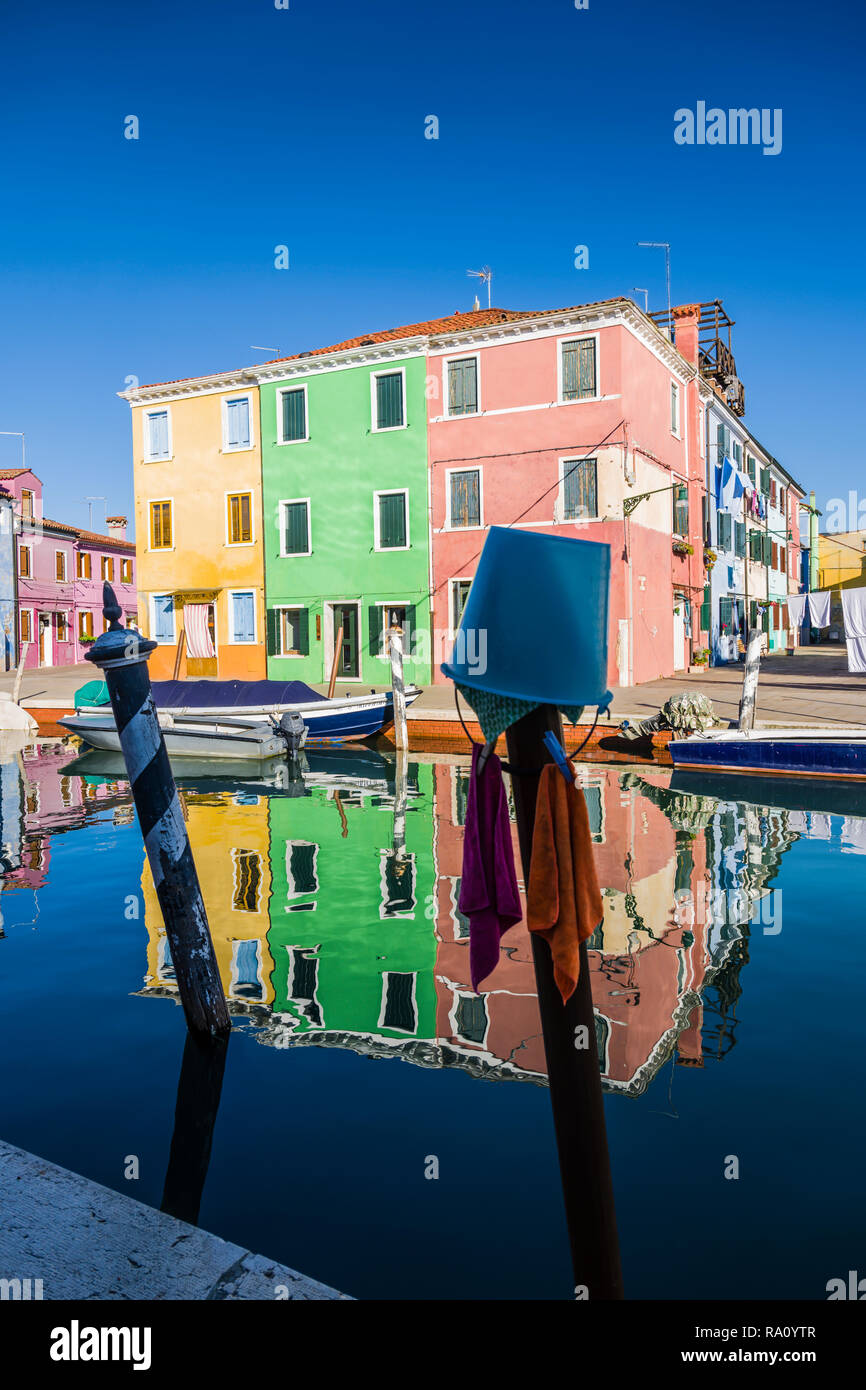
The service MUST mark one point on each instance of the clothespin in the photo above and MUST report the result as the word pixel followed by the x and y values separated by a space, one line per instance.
pixel 555 748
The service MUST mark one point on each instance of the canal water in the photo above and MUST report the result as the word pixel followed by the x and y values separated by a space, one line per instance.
pixel 726 979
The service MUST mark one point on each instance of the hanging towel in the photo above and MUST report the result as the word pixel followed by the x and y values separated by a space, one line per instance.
pixel 819 608
pixel 198 638
pixel 488 888
pixel 563 900
pixel 854 835
pixel 796 608
pixel 854 613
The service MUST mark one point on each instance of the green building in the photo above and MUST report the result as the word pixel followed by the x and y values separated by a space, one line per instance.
pixel 345 507
pixel 352 935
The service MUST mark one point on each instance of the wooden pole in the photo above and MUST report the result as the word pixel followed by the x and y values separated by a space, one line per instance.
pixel 395 648
pixel 750 681
pixel 335 663
pixel 198 1096
pixel 122 654
pixel 16 689
pixel 572 1057
pixel 178 654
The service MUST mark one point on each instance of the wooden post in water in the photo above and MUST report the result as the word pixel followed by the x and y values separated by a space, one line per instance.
pixel 16 689
pixel 395 650
pixel 572 1057
pixel 336 662
pixel 122 654
pixel 750 681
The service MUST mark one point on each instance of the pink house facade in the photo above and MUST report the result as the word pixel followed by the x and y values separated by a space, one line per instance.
pixel 59 572
pixel 559 422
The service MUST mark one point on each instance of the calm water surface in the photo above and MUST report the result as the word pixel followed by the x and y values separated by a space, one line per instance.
pixel 726 981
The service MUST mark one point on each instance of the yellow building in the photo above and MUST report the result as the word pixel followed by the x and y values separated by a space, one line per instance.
pixel 198 516
pixel 231 847
pixel 842 560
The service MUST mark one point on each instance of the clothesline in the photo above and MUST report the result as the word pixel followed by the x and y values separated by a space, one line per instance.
pixel 818 602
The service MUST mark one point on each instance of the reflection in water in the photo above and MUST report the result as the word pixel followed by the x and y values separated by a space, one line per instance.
pixel 332 901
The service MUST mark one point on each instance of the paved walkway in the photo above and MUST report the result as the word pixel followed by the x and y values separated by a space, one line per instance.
pixel 83 1241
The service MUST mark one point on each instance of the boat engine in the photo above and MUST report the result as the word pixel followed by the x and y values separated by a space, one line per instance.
pixel 294 731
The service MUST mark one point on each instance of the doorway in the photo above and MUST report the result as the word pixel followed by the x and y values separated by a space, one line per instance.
pixel 347 617
pixel 46 644
pixel 679 635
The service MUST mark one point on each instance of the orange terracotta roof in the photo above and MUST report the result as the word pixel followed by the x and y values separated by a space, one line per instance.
pixel 428 328
pixel 13 472
pixel 91 536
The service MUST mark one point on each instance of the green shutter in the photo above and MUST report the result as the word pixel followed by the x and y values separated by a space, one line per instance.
pixel 273 620
pixel 765 481
pixel 578 370
pixel 376 615
pixel 706 608
pixel 768 550
pixel 740 538
pixel 294 415
pixel 304 631
pixel 392 521
pixel 389 401
pixel 726 605
pixel 297 538
pixel 724 531
pixel 409 629
pixel 463 387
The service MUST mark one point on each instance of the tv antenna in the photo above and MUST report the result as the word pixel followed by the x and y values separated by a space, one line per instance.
pixel 90 501
pixel 645 294
pixel 485 274
pixel 274 350
pixel 666 247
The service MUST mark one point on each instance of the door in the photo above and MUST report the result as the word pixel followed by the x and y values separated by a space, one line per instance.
pixel 679 636
pixel 346 617
pixel 46 646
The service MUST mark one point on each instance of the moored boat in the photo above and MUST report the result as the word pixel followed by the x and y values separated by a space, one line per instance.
pixel 190 737
pixel 805 751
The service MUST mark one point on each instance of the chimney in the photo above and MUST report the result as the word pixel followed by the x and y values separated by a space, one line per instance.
pixel 686 322
pixel 116 527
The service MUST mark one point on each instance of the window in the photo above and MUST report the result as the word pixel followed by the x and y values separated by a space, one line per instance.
pixel 470 1018
pixel 681 510
pixel 783 560
pixel 579 489
pixel 459 594
pixel 772 492
pixel 399 1011
pixel 752 467
pixel 726 614
pixel 108 568
pixel 387 615
pixel 247 880
pixel 85 624
pixel 768 553
pixel 464 498
pixel 60 565
pixel 237 433
pixel 27 504
pixel 292 415
pixel 157 441
pixel 25 561
pixel 160 526
pixel 783 498
pixel 675 408
pixel 245 970
pixel 296 527
pixel 288 631
pixel 162 622
pixel 26 625
pixel 463 386
pixel 740 538
pixel 63 627
pixel 578 370
pixel 240 518
pixel 737 452
pixel 756 546
pixel 82 564
pixel 242 616
pixel 765 481
pixel 126 571
pixel 303 979
pixel 725 521
pixel 391 521
pixel 302 880
pixel 388 401
pixel 706 609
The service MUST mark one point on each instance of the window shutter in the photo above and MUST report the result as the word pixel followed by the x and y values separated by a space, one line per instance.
pixel 297 529
pixel 273 632
pixel 392 521
pixel 376 617
pixel 724 531
pixel 294 415
pixel 304 631
pixel 409 629
pixel 463 387
pixel 238 424
pixel 389 401
pixel 706 607
pixel 465 499
pixel 244 618
pixel 768 552
pixel 163 612
pixel 578 370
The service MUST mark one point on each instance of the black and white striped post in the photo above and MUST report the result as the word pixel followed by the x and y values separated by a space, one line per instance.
pixel 395 650
pixel 122 654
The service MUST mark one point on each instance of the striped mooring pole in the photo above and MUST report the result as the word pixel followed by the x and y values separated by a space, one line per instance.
pixel 122 654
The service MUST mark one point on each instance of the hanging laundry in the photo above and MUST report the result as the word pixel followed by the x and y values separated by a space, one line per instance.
pixel 564 904
pixel 854 835
pixel 796 608
pixel 819 608
pixel 488 890
pixel 854 614
pixel 820 826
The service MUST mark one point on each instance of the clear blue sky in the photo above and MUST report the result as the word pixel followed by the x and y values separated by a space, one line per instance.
pixel 261 126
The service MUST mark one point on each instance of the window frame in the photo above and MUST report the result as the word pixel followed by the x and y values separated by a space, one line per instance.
pixel 295 554
pixel 575 520
pixel 449 523
pixel 159 502
pixel 64 577
pixel 147 457
pixel 446 362
pixel 676 409
pixel 82 614
pixel 28 546
pixel 285 390
pixel 225 402
pixel 452 583
pixel 375 428
pixel 227 495
pixel 236 641
pixel 384 653
pixel 279 609
pixel 127 572
pixel 377 520
pixel 31 514
pixel 560 344
pixel 28 614
pixel 151 604
pixel 106 562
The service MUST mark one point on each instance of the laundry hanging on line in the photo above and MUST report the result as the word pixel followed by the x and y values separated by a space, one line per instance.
pixel 489 896
pixel 854 616
pixel 819 608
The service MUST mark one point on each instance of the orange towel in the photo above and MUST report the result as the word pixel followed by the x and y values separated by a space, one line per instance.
pixel 563 901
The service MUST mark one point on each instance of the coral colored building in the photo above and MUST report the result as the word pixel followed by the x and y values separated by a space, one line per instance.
pixel 554 421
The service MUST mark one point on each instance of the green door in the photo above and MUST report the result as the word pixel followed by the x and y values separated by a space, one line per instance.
pixel 346 617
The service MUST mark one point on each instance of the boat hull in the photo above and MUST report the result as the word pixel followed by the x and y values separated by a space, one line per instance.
pixel 791 754
pixel 100 731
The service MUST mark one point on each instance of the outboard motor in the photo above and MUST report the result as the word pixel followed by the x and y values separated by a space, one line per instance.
pixel 294 731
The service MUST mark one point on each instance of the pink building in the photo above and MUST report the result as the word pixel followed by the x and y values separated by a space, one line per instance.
pixel 556 421
pixel 60 570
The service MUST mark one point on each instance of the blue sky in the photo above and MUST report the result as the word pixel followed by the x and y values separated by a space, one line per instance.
pixel 305 127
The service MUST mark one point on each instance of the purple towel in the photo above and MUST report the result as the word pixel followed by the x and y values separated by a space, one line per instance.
pixel 488 890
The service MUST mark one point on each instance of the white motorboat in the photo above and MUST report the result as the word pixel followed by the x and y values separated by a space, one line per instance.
pixel 188 736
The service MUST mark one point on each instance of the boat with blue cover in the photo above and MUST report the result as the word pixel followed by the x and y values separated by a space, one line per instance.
pixel 807 751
